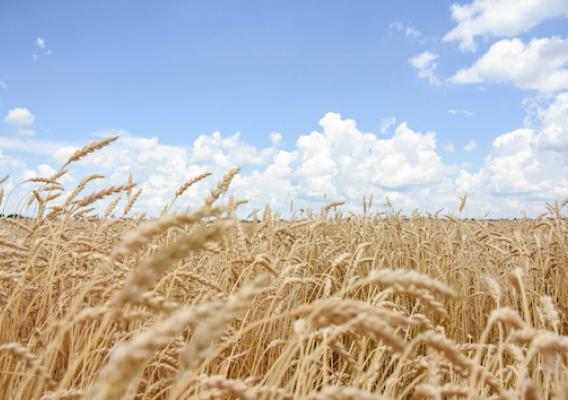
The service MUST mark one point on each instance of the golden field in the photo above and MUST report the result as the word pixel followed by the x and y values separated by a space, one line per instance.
pixel 327 306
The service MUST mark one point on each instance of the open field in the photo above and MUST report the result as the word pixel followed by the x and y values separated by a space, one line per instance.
pixel 201 305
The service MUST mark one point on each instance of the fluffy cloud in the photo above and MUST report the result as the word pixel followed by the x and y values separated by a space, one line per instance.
pixel 40 42
pixel 19 116
pixel 554 133
pixel 526 165
pixel 425 64
pixel 523 169
pixel 541 65
pixel 500 18
pixel 339 161
pixel 229 151
pixel 161 169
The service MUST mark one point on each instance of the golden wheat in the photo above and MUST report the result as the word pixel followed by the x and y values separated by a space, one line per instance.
pixel 201 305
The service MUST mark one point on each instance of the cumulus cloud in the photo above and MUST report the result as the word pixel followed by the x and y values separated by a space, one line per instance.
pixel 526 166
pixel 227 152
pixel 554 132
pixel 19 116
pixel 161 168
pixel 338 160
pixel 40 42
pixel 42 170
pixel 541 65
pixel 500 18
pixel 470 146
pixel 511 167
pixel 425 64
pixel 386 124
pixel 523 169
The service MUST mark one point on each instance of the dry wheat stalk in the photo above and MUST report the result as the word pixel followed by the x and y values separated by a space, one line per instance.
pixel 131 202
pixel 91 198
pixel 88 149
pixel 126 308
pixel 190 182
pixel 128 358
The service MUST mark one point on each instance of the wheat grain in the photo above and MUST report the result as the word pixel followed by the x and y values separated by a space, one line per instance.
pixel 126 308
pixel 88 149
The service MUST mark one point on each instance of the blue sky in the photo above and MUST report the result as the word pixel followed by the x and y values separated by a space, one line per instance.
pixel 178 71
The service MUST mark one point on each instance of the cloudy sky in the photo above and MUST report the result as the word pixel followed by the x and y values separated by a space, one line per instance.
pixel 411 100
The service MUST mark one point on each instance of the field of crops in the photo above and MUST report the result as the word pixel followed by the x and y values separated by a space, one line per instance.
pixel 327 306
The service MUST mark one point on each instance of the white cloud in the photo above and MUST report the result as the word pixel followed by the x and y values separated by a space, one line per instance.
pixel 425 64
pixel 411 33
pixel 19 116
pixel 43 171
pixel 523 169
pixel 500 18
pixel 161 169
pixel 511 165
pixel 31 146
pixel 42 46
pixel 228 152
pixel 423 60
pixel 467 113
pixel 3 160
pixel 3 85
pixel 526 167
pixel 386 124
pixel 275 138
pixel 554 131
pixel 541 65
pixel 8 162
pixel 338 160
pixel 470 146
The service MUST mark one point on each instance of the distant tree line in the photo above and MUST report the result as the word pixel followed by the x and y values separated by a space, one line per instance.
pixel 18 216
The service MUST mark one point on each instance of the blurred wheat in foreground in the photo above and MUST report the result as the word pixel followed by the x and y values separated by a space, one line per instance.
pixel 200 305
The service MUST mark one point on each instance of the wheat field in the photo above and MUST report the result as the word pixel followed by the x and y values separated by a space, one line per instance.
pixel 201 305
